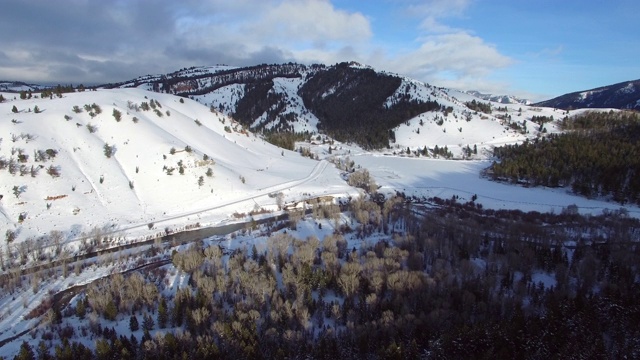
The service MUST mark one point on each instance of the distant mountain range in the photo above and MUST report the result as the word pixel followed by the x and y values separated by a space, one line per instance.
pixel 624 95
pixel 18 86
pixel 502 99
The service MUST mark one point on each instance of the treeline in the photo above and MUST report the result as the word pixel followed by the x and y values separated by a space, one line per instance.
pixel 599 156
pixel 285 140
pixel 199 83
pixel 351 104
pixel 258 99
pixel 479 106
pixel 458 282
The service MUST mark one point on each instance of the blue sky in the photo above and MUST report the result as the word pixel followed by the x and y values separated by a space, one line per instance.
pixel 534 49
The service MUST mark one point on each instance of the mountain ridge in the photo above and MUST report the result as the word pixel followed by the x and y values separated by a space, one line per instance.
pixel 623 95
pixel 350 102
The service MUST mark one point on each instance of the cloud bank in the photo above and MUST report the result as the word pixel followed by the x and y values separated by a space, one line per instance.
pixel 93 41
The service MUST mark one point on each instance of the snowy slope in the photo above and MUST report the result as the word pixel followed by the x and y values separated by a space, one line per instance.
pixel 132 189
pixel 462 127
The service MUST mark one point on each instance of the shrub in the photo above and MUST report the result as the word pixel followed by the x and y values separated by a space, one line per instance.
pixel 117 115
pixel 54 171
pixel 96 108
pixel 109 150
pixel 10 236
pixel 51 153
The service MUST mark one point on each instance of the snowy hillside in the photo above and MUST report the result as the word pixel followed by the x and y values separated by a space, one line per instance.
pixel 173 165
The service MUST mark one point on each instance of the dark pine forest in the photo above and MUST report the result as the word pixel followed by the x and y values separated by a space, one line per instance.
pixel 599 156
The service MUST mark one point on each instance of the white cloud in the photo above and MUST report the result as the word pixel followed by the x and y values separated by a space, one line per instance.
pixel 291 25
pixel 316 21
pixel 445 55
pixel 461 53
pixel 170 35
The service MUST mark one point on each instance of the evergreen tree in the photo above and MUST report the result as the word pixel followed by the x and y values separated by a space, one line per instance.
pixel 111 311
pixel 103 349
pixel 43 351
pixel 81 309
pixel 26 352
pixel 14 109
pixel 163 313
pixel 147 322
pixel 133 323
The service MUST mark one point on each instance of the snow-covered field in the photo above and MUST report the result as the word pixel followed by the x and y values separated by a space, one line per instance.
pixel 424 177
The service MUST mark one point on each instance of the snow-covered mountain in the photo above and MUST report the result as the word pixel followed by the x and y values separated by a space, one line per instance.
pixel 502 99
pixel 352 103
pixel 624 95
